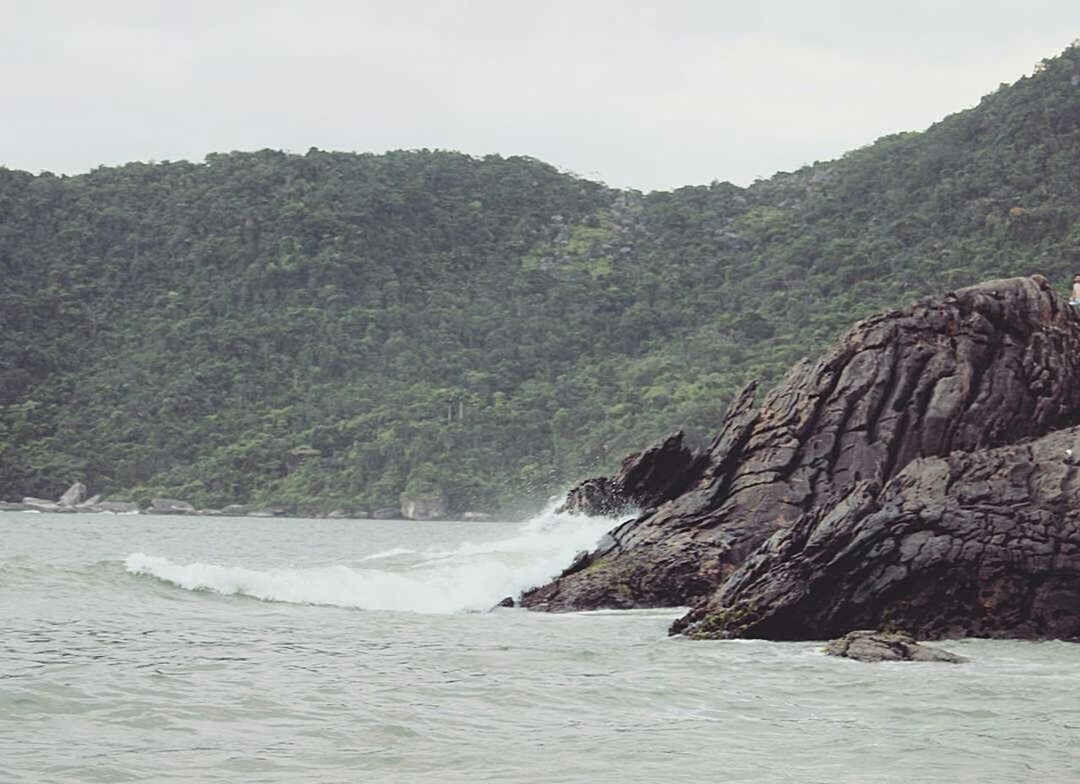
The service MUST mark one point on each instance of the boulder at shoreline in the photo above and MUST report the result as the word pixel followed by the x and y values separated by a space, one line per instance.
pixel 903 455
pixel 869 646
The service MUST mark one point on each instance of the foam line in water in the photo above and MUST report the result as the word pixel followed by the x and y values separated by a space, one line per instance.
pixel 468 577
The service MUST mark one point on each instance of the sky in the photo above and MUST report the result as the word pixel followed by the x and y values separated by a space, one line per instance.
pixel 645 95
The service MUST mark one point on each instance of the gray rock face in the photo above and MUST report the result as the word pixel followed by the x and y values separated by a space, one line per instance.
pixel 170 506
pixel 867 646
pixel 74 495
pixel 982 544
pixel 982 367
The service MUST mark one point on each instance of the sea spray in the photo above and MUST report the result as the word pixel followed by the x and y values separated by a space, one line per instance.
pixel 469 577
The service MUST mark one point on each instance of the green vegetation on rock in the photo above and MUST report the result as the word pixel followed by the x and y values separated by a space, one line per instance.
pixel 331 330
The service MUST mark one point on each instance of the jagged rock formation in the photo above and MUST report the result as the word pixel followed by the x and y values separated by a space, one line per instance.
pixel 868 646
pixel 646 479
pixel 74 495
pixel 983 544
pixel 981 367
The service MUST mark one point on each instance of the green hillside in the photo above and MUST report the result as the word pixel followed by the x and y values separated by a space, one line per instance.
pixel 331 330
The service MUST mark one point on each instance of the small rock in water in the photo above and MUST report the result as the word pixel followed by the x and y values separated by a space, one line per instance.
pixel 870 646
pixel 507 602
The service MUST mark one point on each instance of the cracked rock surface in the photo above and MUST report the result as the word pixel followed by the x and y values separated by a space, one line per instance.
pixel 982 367
pixel 976 544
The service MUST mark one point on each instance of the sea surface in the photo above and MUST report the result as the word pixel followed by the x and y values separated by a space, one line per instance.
pixel 185 649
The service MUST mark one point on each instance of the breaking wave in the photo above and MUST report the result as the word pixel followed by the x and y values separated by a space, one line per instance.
pixel 469 577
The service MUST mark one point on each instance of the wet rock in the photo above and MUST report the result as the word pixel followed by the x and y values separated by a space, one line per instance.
pixel 974 544
pixel 386 513
pixel 235 510
pixel 981 367
pixel 43 505
pixel 170 506
pixel 74 495
pixel 11 506
pixel 507 602
pixel 90 504
pixel 870 646
pixel 646 479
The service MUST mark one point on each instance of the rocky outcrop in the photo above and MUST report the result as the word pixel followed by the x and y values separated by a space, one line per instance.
pixel 982 367
pixel 432 507
pixel 74 495
pixel 90 504
pixel 645 480
pixel 868 646
pixel 975 544
pixel 170 506
pixel 43 505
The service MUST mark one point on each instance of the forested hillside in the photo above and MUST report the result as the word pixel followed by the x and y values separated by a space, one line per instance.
pixel 332 330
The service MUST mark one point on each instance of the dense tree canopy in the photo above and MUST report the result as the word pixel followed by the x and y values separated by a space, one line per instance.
pixel 331 330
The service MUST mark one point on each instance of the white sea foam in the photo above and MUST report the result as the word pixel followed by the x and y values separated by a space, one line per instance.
pixel 391 553
pixel 472 576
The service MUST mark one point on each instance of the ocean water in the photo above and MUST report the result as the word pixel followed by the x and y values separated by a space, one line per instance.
pixel 164 649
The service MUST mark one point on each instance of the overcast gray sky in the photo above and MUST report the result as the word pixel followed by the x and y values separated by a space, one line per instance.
pixel 637 94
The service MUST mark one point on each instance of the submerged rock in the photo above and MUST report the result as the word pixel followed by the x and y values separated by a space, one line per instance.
pixel 983 367
pixel 869 646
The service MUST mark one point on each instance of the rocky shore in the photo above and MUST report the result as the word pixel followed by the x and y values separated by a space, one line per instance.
pixel 919 476
pixel 75 499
